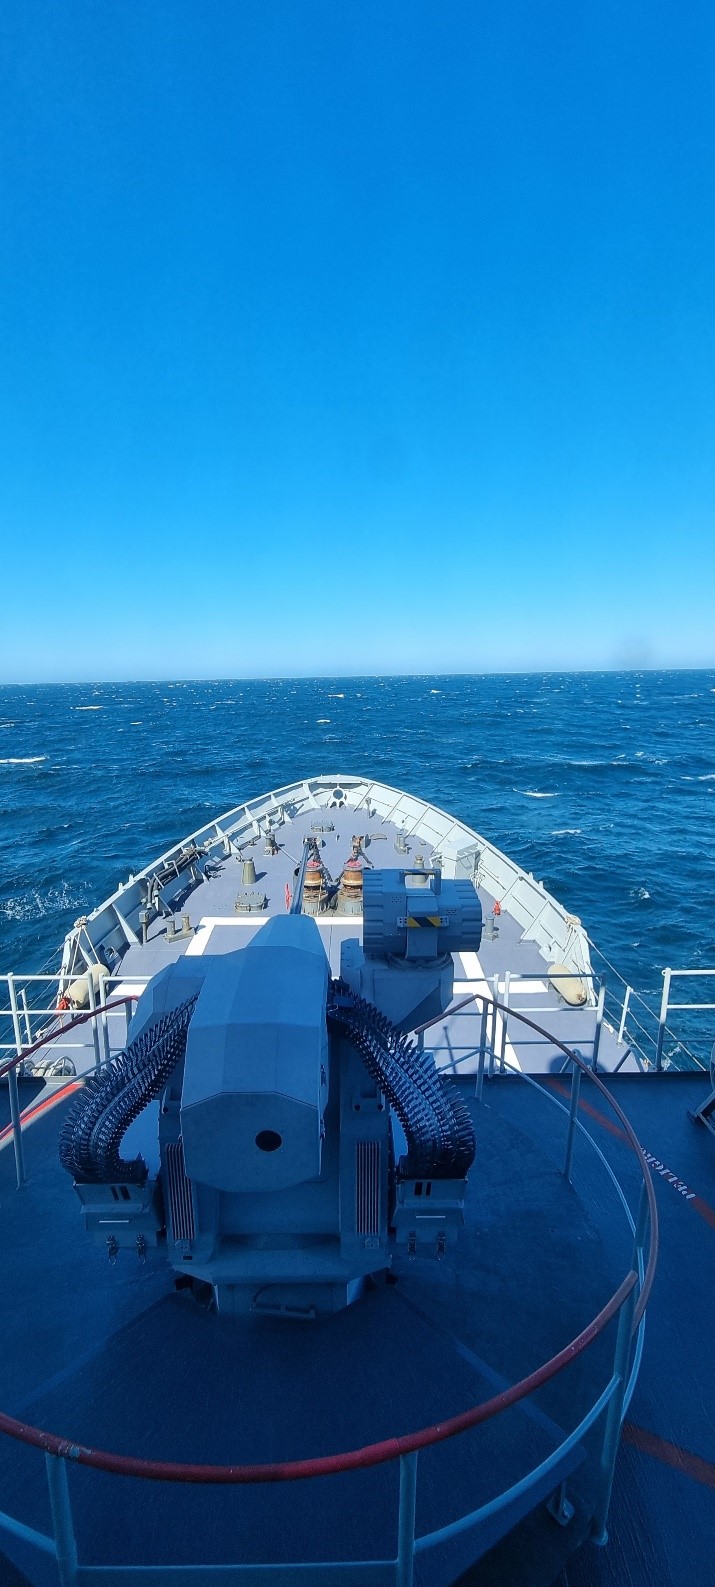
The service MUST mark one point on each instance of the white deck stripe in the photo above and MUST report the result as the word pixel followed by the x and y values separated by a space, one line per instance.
pixel 199 942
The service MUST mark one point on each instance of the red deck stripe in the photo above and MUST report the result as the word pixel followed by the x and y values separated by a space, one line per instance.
pixel 670 1454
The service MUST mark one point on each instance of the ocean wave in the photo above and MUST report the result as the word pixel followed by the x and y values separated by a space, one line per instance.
pixel 639 892
pixel 87 708
pixel 531 793
pixel 35 905
pixel 708 777
pixel 23 760
pixel 567 832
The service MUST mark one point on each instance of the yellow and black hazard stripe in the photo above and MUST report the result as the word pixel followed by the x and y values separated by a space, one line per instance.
pixel 424 920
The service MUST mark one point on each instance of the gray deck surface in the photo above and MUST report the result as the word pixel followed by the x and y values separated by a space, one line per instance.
pixel 455 1040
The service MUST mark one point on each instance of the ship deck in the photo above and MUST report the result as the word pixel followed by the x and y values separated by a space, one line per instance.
pixel 513 960
pixel 115 1358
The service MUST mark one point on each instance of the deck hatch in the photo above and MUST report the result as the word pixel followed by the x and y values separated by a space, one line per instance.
pixel 367 1187
pixel 181 1206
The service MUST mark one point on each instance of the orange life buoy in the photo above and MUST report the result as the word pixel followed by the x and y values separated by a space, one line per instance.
pixel 497 908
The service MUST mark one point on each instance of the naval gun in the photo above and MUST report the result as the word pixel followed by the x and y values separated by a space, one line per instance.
pixel 303 1131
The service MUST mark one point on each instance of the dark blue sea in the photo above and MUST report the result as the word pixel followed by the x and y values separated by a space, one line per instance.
pixel 602 784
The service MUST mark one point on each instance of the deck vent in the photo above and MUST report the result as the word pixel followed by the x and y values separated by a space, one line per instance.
pixel 367 1187
pixel 181 1206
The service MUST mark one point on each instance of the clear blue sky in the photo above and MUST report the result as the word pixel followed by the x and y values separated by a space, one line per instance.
pixel 356 336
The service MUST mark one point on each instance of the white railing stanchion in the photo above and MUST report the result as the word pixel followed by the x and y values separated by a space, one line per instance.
pixel 105 1025
pixel 65 1542
pixel 573 1114
pixel 17 1140
pixel 493 1041
pixel 482 1051
pixel 404 1574
pixel 92 1002
pixel 26 1016
pixel 624 1011
pixel 664 1001
pixel 599 1024
pixel 614 1417
pixel 504 1021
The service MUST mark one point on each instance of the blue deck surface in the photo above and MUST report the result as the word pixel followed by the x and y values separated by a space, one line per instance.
pixel 113 1357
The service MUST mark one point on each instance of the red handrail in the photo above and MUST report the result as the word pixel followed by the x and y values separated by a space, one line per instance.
pixel 322 1465
pixel 390 1448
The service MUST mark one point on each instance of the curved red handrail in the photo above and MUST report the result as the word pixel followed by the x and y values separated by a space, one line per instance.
pixel 390 1448
pixel 322 1465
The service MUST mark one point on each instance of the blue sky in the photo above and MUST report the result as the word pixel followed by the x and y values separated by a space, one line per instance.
pixel 356 337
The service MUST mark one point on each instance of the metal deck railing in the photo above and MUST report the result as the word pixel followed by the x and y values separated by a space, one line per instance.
pixel 628 1303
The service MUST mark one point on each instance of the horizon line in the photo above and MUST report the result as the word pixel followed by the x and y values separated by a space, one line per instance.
pixel 353 677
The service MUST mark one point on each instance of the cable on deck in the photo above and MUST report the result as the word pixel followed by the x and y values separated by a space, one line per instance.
pixel 435 1119
pixel 101 1114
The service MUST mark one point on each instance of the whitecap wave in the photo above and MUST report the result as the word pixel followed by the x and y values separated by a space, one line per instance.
pixel 531 793
pixel 91 707
pixel 35 905
pixel 709 776
pixel 23 760
pixel 323 721
pixel 567 832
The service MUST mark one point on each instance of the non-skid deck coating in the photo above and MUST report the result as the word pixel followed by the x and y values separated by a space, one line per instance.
pixel 111 1356
pixel 218 928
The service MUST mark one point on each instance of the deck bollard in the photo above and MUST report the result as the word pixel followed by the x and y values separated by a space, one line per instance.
pixel 65 1543
pixel 404 1575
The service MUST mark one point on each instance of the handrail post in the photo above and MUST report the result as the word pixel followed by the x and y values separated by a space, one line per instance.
pixel 17 1140
pixel 573 1112
pixel 482 1050
pixel 92 1002
pixel 493 1043
pixel 614 1417
pixel 504 1021
pixel 105 1025
pixel 405 1563
pixel 664 1001
pixel 26 1015
pixel 65 1542
pixel 599 1023
pixel 641 1226
pixel 624 1011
